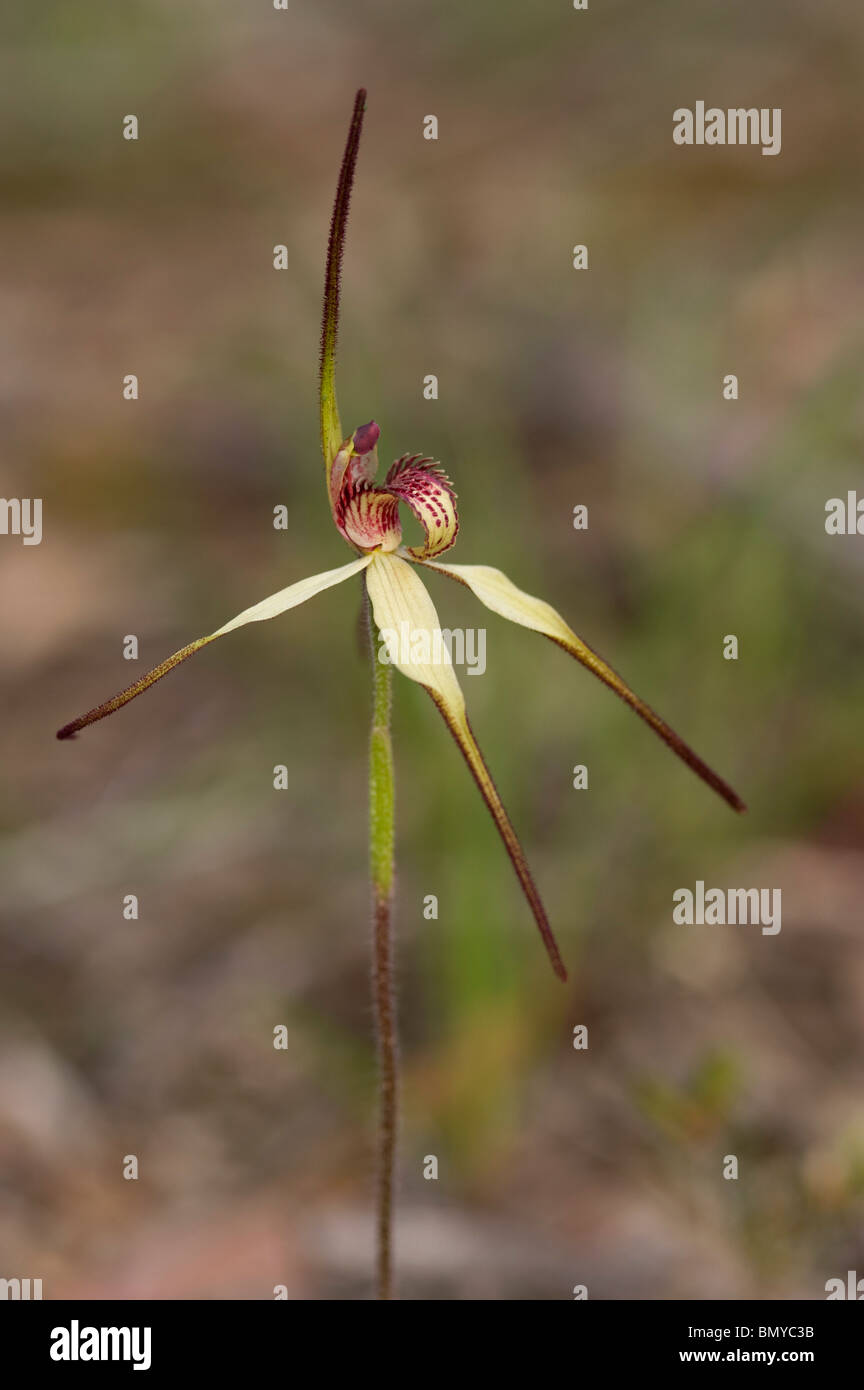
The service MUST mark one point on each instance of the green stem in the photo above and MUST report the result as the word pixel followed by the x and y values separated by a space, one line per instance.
pixel 381 841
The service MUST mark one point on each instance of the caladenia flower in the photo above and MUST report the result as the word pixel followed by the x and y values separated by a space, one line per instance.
pixel 367 515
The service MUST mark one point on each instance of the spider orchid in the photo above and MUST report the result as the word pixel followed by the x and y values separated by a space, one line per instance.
pixel 367 516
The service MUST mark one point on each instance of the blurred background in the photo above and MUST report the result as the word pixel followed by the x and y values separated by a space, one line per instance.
pixel 154 1037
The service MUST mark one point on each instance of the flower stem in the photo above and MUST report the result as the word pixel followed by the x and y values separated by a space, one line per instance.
pixel 381 841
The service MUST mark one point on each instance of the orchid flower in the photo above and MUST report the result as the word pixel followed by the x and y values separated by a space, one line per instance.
pixel 367 516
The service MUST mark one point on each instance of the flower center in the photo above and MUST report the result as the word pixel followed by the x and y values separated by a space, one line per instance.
pixel 370 519
pixel 368 516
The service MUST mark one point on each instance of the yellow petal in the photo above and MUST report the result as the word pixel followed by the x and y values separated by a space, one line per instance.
pixel 269 608
pixel 498 593
pixel 408 622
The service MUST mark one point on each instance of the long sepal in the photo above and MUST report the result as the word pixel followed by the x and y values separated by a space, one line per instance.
pixel 331 430
pixel 268 608
pixel 409 626
pixel 498 593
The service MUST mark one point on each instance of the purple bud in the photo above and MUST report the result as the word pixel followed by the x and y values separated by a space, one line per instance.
pixel 365 438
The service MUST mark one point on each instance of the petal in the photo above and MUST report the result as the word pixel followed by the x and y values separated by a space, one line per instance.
pixel 355 463
pixel 368 517
pixel 292 596
pixel 498 593
pixel 268 608
pixel 337 472
pixel 404 612
pixel 423 485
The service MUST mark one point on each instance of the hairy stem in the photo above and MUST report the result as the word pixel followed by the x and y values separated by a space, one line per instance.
pixel 331 430
pixel 381 840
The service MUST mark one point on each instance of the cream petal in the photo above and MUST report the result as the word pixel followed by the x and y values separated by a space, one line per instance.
pixel 501 595
pixel 270 608
pixel 406 617
pixel 292 596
